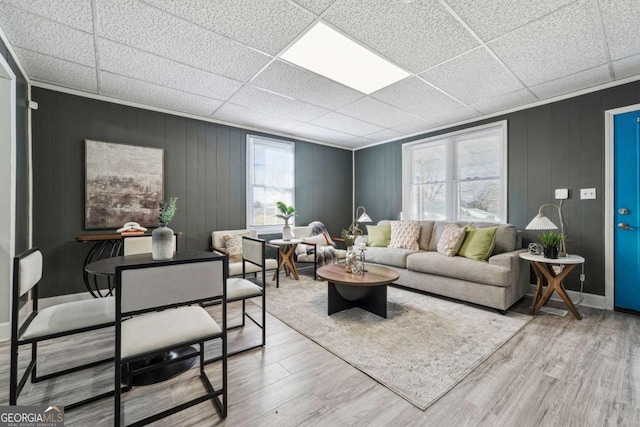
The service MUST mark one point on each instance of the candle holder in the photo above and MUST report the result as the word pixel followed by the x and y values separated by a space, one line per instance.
pixel 357 266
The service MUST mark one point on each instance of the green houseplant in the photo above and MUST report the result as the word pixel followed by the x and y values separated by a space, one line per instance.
pixel 162 237
pixel 550 242
pixel 286 212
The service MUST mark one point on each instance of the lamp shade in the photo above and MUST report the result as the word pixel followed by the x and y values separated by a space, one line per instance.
pixel 541 222
pixel 364 218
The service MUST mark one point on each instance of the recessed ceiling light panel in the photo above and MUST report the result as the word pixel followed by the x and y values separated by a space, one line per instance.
pixel 330 54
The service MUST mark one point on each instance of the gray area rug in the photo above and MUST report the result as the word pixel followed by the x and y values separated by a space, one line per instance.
pixel 423 349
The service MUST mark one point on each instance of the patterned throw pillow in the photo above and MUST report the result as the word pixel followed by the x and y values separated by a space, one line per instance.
pixel 233 242
pixel 404 234
pixel 451 239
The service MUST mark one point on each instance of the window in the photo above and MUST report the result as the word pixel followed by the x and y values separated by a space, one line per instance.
pixel 461 176
pixel 270 178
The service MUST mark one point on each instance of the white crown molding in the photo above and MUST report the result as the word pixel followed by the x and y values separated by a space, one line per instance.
pixel 6 42
pixel 511 110
pixel 177 113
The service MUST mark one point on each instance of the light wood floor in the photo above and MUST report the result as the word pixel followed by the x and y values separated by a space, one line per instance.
pixel 557 371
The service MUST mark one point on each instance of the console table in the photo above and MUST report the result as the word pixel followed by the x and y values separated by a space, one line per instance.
pixel 104 246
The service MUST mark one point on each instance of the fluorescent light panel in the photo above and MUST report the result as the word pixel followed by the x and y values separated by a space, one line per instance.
pixel 330 54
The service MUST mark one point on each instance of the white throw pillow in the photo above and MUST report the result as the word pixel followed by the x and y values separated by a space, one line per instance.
pixel 451 239
pixel 404 234
pixel 233 242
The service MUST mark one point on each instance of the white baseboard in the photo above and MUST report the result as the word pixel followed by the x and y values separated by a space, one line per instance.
pixel 588 300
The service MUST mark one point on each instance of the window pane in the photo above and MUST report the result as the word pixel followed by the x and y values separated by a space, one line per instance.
pixel 479 158
pixel 479 200
pixel 428 201
pixel 271 180
pixel 429 164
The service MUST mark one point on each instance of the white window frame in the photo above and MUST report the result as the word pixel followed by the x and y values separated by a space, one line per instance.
pixel 268 228
pixel 450 141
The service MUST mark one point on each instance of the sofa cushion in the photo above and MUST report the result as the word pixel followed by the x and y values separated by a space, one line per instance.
pixel 426 230
pixel 459 268
pixel 379 235
pixel 451 239
pixel 478 243
pixel 404 234
pixel 506 235
pixel 438 228
pixel 394 257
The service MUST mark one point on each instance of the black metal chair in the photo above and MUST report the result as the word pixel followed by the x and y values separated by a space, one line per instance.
pixel 52 322
pixel 241 289
pixel 178 289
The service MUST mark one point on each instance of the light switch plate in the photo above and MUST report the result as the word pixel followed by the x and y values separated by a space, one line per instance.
pixel 562 193
pixel 587 193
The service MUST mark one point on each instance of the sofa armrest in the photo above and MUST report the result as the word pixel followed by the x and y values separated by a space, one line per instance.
pixel 510 260
pixel 517 269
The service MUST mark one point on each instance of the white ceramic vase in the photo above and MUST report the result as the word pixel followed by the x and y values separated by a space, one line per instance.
pixel 162 243
pixel 287 234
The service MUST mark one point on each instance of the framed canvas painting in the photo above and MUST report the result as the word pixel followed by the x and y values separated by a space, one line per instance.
pixel 123 183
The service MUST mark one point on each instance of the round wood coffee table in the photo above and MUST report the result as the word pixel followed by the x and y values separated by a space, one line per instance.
pixel 368 291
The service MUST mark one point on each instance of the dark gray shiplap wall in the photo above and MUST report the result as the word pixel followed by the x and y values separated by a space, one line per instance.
pixel 205 166
pixel 558 145
pixel 22 150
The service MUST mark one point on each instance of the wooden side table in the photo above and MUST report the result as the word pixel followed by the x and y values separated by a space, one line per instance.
pixel 287 251
pixel 543 268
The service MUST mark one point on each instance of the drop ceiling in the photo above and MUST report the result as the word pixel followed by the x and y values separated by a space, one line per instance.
pixel 221 59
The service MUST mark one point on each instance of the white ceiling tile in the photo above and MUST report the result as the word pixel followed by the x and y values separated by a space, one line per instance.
pixel 127 61
pixel 357 142
pixel 250 117
pixel 305 86
pixel 318 133
pixel 416 35
pixel 415 127
pixel 417 97
pixel 574 82
pixel 373 111
pixel 627 67
pixel 621 20
pixel 272 103
pixel 149 29
pixel 459 115
pixel 492 18
pixel 505 102
pixel 267 25
pixel 57 71
pixel 473 77
pixel 384 135
pixel 74 13
pixel 315 6
pixel 149 94
pixel 34 33
pixel 346 124
pixel 563 43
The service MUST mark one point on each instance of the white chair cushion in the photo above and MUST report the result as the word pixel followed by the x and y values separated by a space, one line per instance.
pixel 241 289
pixel 162 329
pixel 71 315
pixel 235 268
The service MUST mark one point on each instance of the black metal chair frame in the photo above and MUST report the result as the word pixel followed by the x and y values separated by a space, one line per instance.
pixel 212 394
pixel 15 386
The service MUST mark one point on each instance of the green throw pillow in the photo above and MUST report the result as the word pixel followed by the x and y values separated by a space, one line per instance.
pixel 379 235
pixel 478 243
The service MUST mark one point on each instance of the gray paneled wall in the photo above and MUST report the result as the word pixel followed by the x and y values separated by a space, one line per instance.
pixel 558 145
pixel 205 168
pixel 22 149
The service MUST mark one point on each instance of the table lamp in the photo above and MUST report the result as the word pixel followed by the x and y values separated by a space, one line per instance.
pixel 541 222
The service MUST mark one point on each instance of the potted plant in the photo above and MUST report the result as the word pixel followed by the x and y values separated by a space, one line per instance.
pixel 162 237
pixel 550 242
pixel 286 212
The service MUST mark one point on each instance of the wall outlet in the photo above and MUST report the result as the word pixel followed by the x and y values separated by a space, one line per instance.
pixel 587 193
pixel 562 193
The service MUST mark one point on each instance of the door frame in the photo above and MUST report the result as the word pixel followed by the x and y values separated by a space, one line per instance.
pixel 609 195
pixel 7 189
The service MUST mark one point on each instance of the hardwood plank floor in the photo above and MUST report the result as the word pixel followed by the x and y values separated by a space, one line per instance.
pixel 557 371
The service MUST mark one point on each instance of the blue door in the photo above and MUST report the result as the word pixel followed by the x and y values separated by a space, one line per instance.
pixel 627 210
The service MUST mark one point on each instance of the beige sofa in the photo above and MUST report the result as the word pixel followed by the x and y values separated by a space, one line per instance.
pixel 498 282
